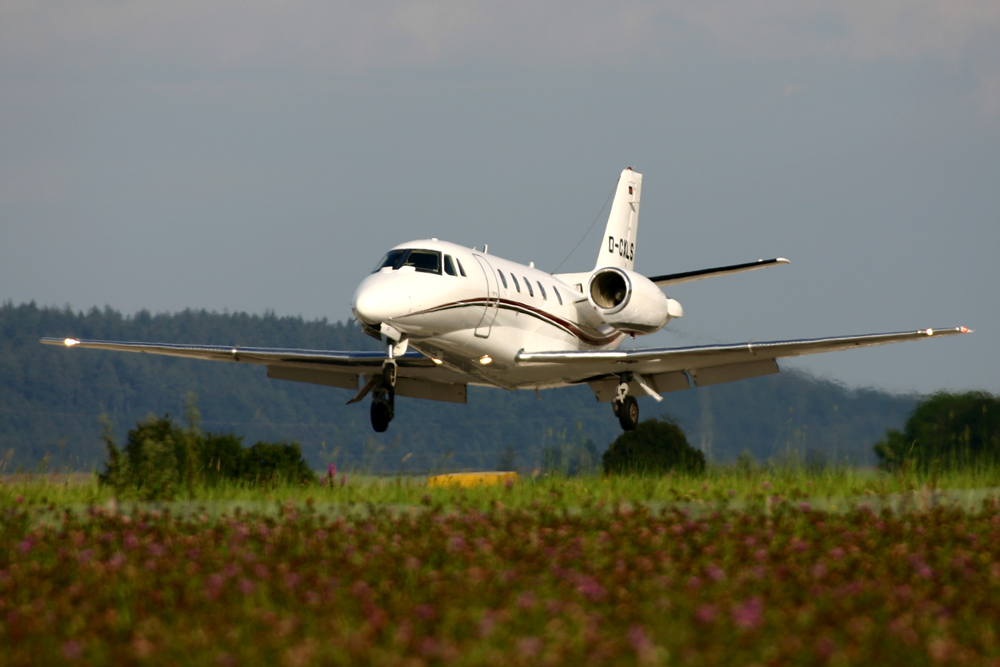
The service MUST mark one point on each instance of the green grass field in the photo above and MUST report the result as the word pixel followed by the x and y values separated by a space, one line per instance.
pixel 719 486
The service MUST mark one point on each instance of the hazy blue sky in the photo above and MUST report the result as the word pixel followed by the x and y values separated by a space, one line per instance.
pixel 256 156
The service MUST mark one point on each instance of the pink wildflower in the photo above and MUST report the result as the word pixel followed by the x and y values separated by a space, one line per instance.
pixel 749 614
pixel 705 613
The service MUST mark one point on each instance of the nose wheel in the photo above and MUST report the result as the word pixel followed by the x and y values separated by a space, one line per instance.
pixel 626 408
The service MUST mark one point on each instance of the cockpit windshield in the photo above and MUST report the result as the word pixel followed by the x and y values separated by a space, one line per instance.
pixel 423 261
pixel 391 258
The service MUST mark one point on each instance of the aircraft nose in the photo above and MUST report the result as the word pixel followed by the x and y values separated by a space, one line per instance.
pixel 376 301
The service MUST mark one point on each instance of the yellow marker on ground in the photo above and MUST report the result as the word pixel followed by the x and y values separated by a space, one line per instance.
pixel 467 479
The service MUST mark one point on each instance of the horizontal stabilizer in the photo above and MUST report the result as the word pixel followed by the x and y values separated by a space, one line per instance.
pixel 688 276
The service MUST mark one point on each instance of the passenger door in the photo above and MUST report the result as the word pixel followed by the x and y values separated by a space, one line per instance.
pixel 492 298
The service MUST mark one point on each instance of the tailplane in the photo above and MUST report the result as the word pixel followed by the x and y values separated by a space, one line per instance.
pixel 618 243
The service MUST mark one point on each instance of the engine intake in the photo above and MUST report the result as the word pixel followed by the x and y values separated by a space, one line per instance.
pixel 629 301
pixel 610 290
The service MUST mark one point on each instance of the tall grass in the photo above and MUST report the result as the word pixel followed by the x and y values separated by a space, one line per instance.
pixel 718 484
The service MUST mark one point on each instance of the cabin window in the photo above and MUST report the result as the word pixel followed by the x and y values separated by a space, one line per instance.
pixel 502 279
pixel 517 285
pixel 527 283
pixel 391 258
pixel 558 295
pixel 424 261
pixel 541 290
pixel 461 269
pixel 449 266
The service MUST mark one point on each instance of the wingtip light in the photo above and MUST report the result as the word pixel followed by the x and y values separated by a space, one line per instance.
pixel 70 342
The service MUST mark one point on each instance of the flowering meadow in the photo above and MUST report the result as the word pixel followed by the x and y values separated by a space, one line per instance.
pixel 779 582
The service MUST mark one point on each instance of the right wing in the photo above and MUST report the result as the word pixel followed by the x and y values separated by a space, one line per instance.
pixel 417 375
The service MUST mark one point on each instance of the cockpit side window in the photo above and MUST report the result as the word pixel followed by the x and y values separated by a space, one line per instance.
pixel 449 266
pixel 461 269
pixel 424 261
pixel 391 258
pixel 527 283
pixel 517 285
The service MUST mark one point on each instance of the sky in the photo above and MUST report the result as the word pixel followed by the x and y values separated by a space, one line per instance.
pixel 261 156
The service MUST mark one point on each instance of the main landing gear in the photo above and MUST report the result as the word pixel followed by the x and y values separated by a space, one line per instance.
pixel 625 406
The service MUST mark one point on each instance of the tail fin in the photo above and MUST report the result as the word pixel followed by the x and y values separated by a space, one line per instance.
pixel 618 244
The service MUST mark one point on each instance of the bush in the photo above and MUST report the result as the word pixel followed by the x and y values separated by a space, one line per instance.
pixel 274 462
pixel 160 459
pixel 947 431
pixel 654 447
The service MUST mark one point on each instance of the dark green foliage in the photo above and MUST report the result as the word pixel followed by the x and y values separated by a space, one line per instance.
pixel 161 459
pixel 945 430
pixel 274 461
pixel 656 446
pixel 221 457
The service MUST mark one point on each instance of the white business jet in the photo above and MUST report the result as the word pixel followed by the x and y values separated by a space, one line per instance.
pixel 450 317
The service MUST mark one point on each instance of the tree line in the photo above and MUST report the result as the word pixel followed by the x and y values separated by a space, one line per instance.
pixel 52 400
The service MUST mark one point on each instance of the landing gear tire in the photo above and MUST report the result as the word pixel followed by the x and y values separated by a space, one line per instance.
pixel 628 413
pixel 389 376
pixel 381 415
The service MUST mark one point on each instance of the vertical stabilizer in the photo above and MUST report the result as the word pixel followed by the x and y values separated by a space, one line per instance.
pixel 618 243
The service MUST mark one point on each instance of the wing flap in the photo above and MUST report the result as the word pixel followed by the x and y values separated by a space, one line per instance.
pixel 313 376
pixel 704 377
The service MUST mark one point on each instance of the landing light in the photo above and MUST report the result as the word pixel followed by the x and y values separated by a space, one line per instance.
pixel 485 359
pixel 70 342
pixel 436 361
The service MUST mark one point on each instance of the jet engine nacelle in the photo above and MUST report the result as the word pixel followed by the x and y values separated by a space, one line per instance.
pixel 630 302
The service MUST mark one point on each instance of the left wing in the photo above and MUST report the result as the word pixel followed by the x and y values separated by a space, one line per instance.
pixel 419 376
pixel 660 370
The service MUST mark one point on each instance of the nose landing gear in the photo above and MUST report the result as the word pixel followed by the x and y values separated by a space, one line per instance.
pixel 625 406
pixel 384 397
pixel 384 390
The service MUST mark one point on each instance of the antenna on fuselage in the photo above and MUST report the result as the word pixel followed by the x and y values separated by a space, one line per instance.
pixel 587 233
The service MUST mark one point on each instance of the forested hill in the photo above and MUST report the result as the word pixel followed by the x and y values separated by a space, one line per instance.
pixel 51 400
